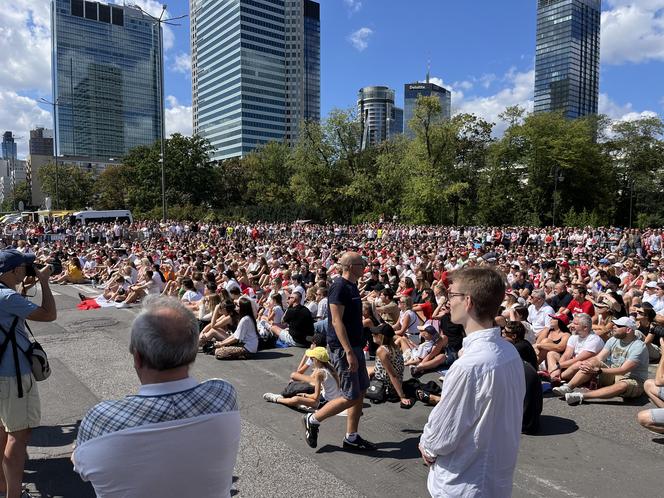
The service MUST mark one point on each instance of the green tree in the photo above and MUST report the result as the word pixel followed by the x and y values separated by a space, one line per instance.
pixel 20 193
pixel 74 185
pixel 111 187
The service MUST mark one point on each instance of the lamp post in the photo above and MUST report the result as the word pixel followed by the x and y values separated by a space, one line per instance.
pixel 158 21
pixel 55 146
pixel 557 177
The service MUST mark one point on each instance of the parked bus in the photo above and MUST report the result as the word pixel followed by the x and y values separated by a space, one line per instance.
pixel 85 217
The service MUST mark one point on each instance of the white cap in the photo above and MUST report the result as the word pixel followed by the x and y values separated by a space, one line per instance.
pixel 625 321
pixel 651 285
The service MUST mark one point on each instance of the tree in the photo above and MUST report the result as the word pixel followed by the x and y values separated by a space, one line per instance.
pixel 20 193
pixel 75 185
pixel 112 186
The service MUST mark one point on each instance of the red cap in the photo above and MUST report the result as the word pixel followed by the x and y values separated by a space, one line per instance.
pixel 563 317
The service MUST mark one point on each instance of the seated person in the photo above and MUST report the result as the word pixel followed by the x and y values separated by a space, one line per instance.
pixel 653 420
pixel 622 367
pixel 325 381
pixel 243 344
pixel 389 363
pixel 583 345
pixel 515 332
pixel 386 307
pixel 300 323
pixel 408 336
pixel 73 273
pixel 432 354
pixel 223 323
pixel 553 338
pixel 319 340
pixel 645 318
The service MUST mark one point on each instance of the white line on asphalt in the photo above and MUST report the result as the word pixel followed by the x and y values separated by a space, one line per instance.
pixel 55 293
pixel 549 484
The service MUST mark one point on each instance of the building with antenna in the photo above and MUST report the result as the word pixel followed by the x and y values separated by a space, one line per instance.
pixel 380 118
pixel 427 89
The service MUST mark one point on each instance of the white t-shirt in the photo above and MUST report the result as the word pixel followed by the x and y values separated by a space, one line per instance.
pixel 592 343
pixel 322 309
pixel 246 333
pixel 313 307
pixel 191 296
pixel 278 314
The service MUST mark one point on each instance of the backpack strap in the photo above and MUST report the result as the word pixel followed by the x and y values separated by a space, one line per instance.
pixel 11 337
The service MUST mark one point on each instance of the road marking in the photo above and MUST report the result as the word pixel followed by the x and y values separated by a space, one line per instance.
pixel 550 484
pixel 55 293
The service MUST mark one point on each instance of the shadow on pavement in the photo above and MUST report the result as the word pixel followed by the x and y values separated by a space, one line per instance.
pixel 56 477
pixel 642 401
pixel 550 425
pixel 54 435
pixel 402 450
pixel 270 355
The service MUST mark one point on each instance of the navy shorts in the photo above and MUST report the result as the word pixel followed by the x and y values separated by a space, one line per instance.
pixel 352 384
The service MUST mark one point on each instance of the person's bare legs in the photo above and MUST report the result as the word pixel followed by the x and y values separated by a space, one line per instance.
pixel 335 406
pixel 607 392
pixel 13 462
pixel 652 390
pixel 354 414
pixel 644 417
pixel 552 357
pixel 296 401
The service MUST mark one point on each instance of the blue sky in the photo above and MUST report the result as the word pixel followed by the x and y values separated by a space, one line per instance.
pixel 483 51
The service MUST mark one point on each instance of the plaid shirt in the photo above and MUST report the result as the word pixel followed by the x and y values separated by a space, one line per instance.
pixel 187 399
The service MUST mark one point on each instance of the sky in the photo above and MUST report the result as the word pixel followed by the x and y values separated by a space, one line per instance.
pixel 483 51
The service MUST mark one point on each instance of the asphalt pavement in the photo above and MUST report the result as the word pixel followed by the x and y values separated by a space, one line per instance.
pixel 589 450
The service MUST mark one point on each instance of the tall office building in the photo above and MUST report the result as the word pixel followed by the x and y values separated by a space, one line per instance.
pixel 379 117
pixel 255 71
pixel 105 63
pixel 567 57
pixel 41 142
pixel 9 150
pixel 426 89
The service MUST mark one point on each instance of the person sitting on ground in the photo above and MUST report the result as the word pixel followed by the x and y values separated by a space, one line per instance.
pixel 223 323
pixel 243 344
pixel 579 303
pixel 553 338
pixel 653 419
pixel 300 323
pixel 190 295
pixel 135 447
pixel 137 291
pixel 645 317
pixel 581 346
pixel 386 307
pixel 389 363
pixel 539 313
pixel 408 336
pixel 622 367
pixel 324 379
pixel 515 332
pixel 432 354
pixel 604 313
pixel 73 273
pixel 300 375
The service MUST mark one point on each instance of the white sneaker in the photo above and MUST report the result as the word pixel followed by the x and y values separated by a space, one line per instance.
pixel 122 305
pixel 272 397
pixel 574 398
pixel 562 390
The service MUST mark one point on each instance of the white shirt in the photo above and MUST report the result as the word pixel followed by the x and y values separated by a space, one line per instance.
pixel 246 333
pixel 474 431
pixel 322 309
pixel 592 342
pixel 540 317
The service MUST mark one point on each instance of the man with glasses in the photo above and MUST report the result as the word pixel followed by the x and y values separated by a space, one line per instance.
pixel 539 313
pixel 19 405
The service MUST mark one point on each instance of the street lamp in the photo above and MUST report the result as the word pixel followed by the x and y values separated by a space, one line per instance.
pixel 557 177
pixel 158 21
pixel 55 146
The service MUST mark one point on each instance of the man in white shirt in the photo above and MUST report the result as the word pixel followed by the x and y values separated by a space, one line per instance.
pixel 480 413
pixel 583 345
pixel 539 312
pixel 135 447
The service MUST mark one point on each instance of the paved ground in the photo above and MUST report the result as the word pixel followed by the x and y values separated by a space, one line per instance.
pixel 585 451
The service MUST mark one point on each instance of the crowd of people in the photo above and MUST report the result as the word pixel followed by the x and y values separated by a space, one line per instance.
pixel 582 310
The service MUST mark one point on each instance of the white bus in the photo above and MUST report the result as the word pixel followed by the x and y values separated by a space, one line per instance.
pixel 85 217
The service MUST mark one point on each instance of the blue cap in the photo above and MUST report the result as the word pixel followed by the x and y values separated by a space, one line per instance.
pixel 604 261
pixel 13 258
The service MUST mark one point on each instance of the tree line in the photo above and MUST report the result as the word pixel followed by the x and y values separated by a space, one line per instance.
pixel 544 168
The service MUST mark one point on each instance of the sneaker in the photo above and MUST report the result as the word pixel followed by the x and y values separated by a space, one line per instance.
pixel 123 305
pixel 25 494
pixel 574 398
pixel 562 390
pixel 310 432
pixel 272 397
pixel 359 444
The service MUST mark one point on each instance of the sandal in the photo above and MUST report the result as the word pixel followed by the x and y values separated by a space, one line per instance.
pixel 422 396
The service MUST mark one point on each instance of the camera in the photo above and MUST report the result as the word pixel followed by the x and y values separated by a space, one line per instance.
pixel 30 270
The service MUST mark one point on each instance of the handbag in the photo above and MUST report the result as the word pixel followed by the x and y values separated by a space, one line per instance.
pixel 294 388
pixel 377 391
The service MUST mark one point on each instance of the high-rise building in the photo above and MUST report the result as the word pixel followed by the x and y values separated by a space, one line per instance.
pixel 106 64
pixel 255 71
pixel 426 89
pixel 9 150
pixel 41 142
pixel 567 57
pixel 379 118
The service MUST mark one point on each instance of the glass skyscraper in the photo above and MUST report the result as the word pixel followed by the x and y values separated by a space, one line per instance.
pixel 105 78
pixel 9 150
pixel 378 115
pixel 255 71
pixel 567 57
pixel 414 90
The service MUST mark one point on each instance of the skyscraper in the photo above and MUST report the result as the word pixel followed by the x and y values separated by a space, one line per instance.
pixel 379 117
pixel 105 78
pixel 41 142
pixel 427 89
pixel 9 150
pixel 567 57
pixel 255 71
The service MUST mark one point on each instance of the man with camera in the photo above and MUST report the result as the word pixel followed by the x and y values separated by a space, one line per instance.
pixel 19 405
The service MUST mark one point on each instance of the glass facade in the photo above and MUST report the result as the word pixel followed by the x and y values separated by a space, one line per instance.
pixel 379 118
pixel 567 56
pixel 414 90
pixel 41 142
pixel 249 83
pixel 105 74
pixel 9 150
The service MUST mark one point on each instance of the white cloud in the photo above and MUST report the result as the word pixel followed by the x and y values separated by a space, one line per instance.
pixel 353 5
pixel 435 80
pixel 182 64
pixel 178 117
pixel 621 112
pixel 632 32
pixel 463 85
pixel 21 114
pixel 360 38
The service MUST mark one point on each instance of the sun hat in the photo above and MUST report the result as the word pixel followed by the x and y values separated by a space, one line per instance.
pixel 319 353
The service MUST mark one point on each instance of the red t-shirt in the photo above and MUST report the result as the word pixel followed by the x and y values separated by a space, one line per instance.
pixel 575 307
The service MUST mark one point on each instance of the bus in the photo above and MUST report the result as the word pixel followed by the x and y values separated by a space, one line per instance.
pixel 85 217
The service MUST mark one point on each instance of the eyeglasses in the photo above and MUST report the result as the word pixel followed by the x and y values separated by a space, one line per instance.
pixel 456 294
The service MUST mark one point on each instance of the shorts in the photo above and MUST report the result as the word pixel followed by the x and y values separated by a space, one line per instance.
pixel 284 336
pixel 352 384
pixel 661 393
pixel 634 386
pixel 17 414
pixel 657 416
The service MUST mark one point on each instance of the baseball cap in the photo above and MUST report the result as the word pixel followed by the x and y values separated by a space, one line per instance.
pixel 651 285
pixel 430 329
pixel 13 258
pixel 384 329
pixel 563 317
pixel 318 353
pixel 625 321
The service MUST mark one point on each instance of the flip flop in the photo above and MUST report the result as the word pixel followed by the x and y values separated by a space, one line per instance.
pixel 422 396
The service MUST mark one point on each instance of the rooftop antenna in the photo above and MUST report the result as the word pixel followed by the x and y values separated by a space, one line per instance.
pixel 428 70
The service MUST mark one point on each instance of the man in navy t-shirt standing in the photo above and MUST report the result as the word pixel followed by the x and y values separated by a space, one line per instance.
pixel 346 343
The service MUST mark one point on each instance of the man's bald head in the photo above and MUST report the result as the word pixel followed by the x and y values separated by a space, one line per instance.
pixel 350 258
